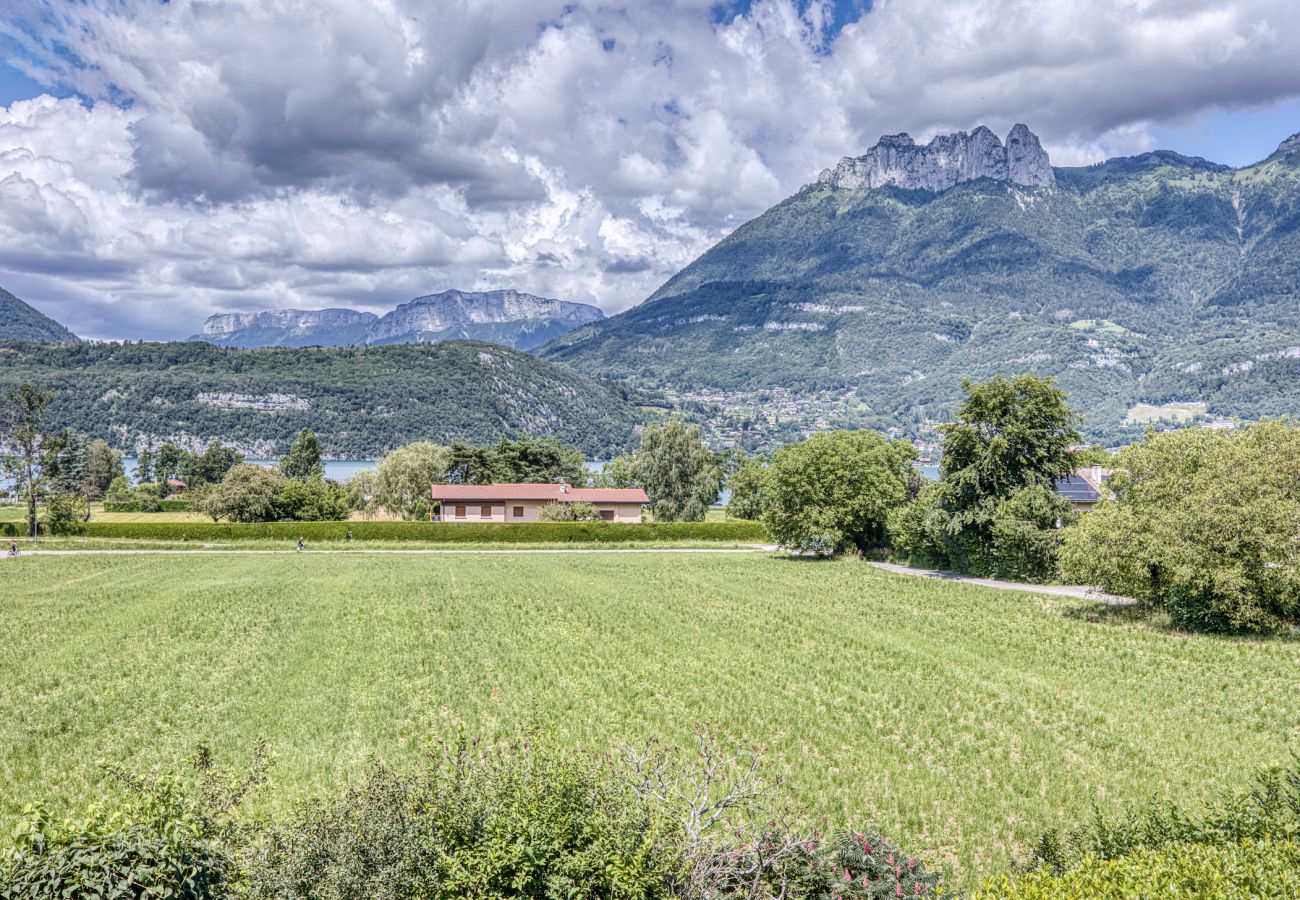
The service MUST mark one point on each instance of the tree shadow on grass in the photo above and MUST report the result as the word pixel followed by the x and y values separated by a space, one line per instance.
pixel 1156 620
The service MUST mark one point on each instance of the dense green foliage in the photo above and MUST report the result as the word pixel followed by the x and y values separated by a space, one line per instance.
pixel 995 510
pixel 29 443
pixel 1242 845
pixel 20 322
pixel 303 459
pixel 1152 280
pixel 679 473
pixel 1203 525
pixel 579 511
pixel 1246 871
pixel 362 402
pixel 537 822
pixel 747 500
pixel 834 491
pixel 958 720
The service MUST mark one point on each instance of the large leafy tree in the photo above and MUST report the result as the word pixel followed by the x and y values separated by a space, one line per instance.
pixel 1011 435
pixel 248 493
pixel 403 481
pixel 25 427
pixel 835 490
pixel 746 481
pixel 469 465
pixel 303 460
pixel 102 466
pixel 678 471
pixel 544 461
pixel 1202 525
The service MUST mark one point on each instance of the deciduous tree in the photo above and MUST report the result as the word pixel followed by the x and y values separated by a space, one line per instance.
pixel 834 491
pixel 681 475
pixel 26 428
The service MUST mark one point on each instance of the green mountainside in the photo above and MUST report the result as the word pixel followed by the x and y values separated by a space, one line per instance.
pixel 360 401
pixel 1157 286
pixel 19 322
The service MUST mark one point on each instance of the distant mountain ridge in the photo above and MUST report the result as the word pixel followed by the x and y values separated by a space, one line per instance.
pixel 361 401
pixel 512 318
pixel 1148 285
pixel 20 322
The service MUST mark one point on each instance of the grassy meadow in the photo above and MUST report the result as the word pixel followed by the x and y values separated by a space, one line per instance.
pixel 959 720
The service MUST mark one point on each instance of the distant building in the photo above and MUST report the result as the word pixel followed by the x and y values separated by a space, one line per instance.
pixel 523 502
pixel 1085 488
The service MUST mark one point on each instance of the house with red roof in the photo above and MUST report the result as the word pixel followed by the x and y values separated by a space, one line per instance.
pixel 523 502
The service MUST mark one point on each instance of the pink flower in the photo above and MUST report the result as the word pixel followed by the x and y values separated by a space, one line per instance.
pixel 891 859
pixel 898 889
pixel 866 845
pixel 847 876
pixel 866 882
pixel 911 864
pixel 898 871
pixel 916 888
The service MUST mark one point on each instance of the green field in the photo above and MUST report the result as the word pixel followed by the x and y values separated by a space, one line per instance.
pixel 959 719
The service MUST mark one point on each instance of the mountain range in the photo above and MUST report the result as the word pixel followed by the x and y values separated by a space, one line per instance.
pixel 20 322
pixel 361 401
pixel 1155 286
pixel 511 318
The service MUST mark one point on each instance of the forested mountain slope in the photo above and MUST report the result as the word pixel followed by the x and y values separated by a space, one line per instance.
pixel 1148 280
pixel 19 322
pixel 360 401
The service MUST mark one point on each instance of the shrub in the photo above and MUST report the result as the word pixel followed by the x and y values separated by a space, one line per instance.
pixel 520 821
pixel 915 530
pixel 170 838
pixel 1025 535
pixel 1270 809
pixel 1243 871
pixel 311 500
pixel 580 511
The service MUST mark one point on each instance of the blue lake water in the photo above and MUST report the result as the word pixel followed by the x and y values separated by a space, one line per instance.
pixel 343 469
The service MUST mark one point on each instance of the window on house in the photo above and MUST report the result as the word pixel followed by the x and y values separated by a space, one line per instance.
pixel 518 512
pixel 607 515
pixel 485 512
pixel 460 512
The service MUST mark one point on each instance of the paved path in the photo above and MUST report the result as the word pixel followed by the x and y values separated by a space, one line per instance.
pixel 1059 590
pixel 198 551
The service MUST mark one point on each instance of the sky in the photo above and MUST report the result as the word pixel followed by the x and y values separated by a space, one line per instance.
pixel 164 161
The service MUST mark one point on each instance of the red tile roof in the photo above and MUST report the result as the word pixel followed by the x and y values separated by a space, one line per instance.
pixel 545 492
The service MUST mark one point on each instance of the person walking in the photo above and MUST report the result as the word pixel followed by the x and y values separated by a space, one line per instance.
pixel 302 545
pixel 13 548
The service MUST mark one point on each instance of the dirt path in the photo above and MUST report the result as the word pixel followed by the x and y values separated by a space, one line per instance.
pixel 1058 590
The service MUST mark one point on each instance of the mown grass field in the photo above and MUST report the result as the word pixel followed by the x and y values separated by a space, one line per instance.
pixel 959 719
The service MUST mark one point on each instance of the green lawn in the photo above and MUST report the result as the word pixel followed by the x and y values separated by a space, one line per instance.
pixel 959 719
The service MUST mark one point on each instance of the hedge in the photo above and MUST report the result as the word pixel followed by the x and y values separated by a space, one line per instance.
pixel 134 506
pixel 430 532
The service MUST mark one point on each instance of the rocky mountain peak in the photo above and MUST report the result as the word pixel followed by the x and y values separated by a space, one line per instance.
pixel 1289 146
pixel 947 160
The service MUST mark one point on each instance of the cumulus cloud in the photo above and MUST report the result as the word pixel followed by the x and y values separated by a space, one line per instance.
pixel 243 154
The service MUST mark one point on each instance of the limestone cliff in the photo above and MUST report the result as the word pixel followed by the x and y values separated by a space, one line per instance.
pixel 947 160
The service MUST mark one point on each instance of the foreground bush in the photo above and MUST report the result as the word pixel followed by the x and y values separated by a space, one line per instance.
pixel 519 822
pixel 168 839
pixel 1245 871
pixel 1244 845
pixel 525 820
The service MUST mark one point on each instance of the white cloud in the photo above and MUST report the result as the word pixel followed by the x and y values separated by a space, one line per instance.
pixel 239 154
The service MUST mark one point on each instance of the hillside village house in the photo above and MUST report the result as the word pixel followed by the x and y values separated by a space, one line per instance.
pixel 523 502
pixel 1085 488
